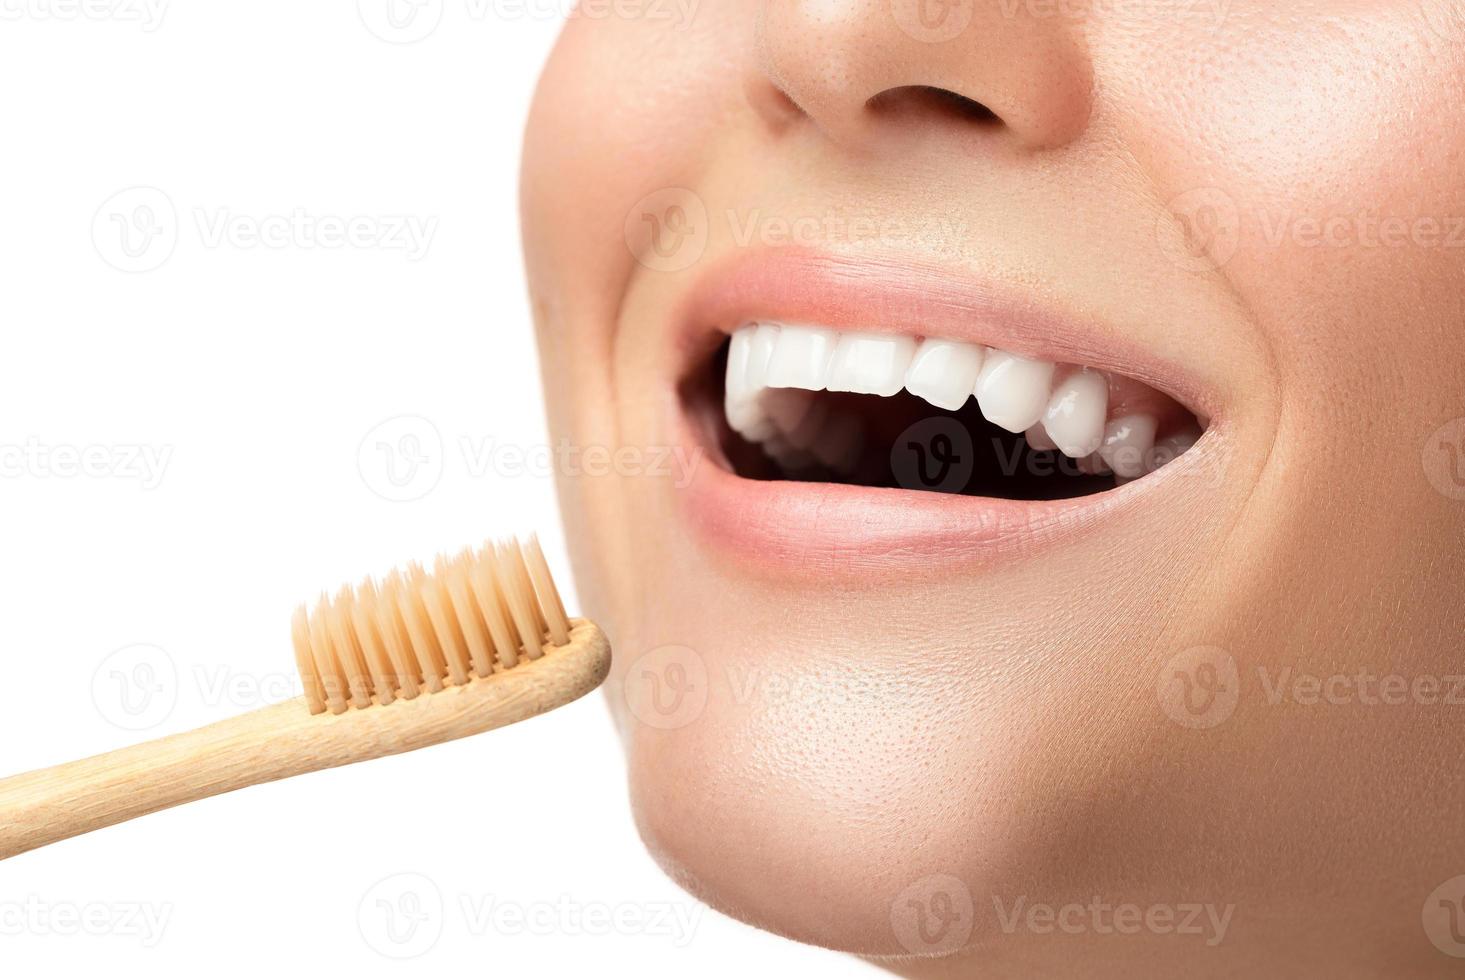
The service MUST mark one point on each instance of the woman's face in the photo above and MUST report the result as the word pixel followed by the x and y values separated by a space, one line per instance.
pixel 1220 692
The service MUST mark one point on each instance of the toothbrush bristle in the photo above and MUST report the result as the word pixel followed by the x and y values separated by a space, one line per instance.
pixel 476 613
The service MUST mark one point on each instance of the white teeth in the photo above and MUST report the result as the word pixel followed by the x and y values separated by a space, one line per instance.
pixel 944 372
pixel 801 358
pixel 737 391
pixel 1075 414
pixel 760 352
pixel 773 371
pixel 737 364
pixel 871 363
pixel 1127 443
pixel 749 420
pixel 747 371
pixel 1037 440
pixel 1013 391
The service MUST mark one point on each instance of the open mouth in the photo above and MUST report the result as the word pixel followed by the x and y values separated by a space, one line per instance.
pixel 814 404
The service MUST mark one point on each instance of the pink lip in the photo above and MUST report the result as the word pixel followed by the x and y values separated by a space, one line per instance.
pixel 802 286
pixel 818 529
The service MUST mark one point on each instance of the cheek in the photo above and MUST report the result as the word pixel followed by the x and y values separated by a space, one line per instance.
pixel 1317 148
pixel 626 107
pixel 1286 105
pixel 620 112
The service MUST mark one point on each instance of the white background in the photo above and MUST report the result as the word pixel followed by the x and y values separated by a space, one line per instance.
pixel 192 447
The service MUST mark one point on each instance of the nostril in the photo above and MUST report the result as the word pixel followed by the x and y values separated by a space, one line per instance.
pixel 928 98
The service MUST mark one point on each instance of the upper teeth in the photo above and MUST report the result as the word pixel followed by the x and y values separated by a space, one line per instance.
pixel 770 367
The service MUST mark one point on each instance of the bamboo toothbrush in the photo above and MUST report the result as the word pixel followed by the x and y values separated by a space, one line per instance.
pixel 415 660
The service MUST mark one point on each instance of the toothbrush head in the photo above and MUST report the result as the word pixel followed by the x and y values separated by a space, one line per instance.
pixel 476 614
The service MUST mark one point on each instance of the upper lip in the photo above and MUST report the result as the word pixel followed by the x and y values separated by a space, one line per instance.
pixel 887 294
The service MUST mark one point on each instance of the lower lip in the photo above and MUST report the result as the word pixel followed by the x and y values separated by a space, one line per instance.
pixel 816 530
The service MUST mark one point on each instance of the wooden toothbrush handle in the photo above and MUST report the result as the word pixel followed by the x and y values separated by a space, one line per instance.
pixel 48 805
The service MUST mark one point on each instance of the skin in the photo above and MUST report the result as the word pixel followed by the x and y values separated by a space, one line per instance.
pixel 996 723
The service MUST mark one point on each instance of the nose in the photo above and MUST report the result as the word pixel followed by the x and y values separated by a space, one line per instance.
pixel 852 66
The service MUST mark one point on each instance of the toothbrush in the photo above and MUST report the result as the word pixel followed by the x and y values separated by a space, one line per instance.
pixel 481 642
